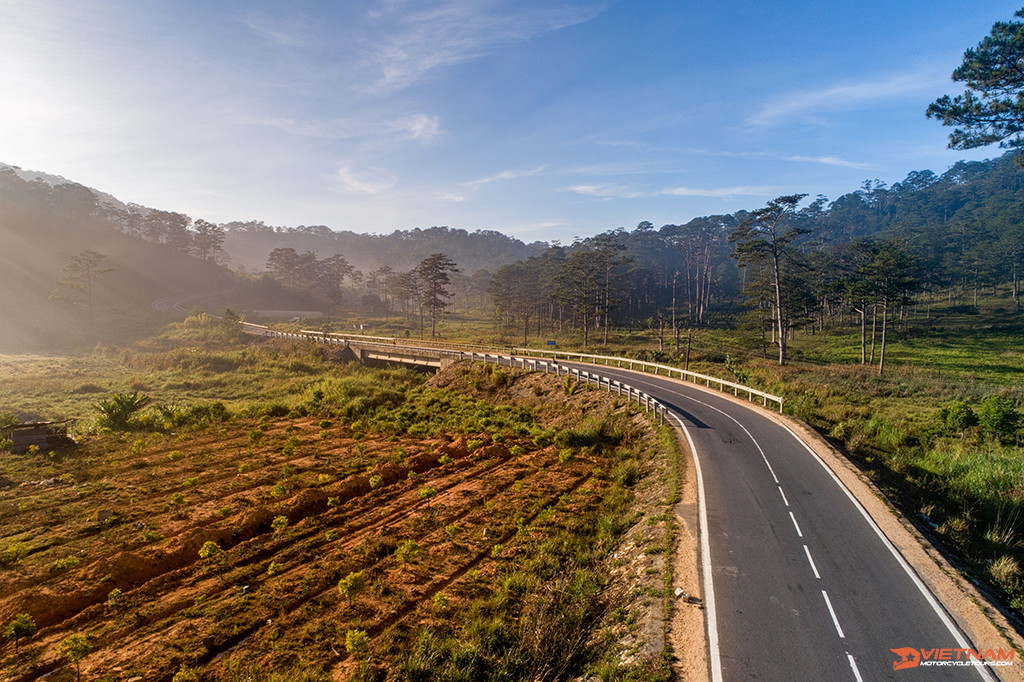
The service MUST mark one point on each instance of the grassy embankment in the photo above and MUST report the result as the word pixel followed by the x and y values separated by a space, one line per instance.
pixel 480 513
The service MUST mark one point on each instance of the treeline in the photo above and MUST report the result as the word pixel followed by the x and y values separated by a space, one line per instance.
pixel 47 302
pixel 250 242
pixel 423 292
pixel 791 265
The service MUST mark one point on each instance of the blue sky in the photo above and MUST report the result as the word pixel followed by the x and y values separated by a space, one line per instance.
pixel 541 119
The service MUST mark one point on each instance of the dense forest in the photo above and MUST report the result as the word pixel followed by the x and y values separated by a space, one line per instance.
pixel 798 264
pixel 795 264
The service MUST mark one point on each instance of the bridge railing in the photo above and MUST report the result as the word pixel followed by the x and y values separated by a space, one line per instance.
pixel 667 370
pixel 648 402
pixel 479 353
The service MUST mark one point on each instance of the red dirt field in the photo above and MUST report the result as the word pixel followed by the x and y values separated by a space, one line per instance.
pixel 111 549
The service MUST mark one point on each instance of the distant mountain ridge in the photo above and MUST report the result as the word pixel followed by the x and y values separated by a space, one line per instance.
pixel 248 243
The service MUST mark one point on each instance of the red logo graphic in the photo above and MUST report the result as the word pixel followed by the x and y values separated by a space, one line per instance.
pixel 908 658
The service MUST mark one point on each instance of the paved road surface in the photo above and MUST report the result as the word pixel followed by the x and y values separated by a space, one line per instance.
pixel 805 587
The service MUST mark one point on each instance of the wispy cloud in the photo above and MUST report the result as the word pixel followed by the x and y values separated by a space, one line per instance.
pixel 411 40
pixel 841 96
pixel 830 161
pixel 278 30
pixel 741 191
pixel 503 175
pixel 826 160
pixel 418 126
pixel 625 192
pixel 367 181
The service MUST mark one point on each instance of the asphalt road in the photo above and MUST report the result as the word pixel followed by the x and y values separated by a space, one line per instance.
pixel 804 586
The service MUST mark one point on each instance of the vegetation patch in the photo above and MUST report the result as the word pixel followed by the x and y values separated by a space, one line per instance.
pixel 359 530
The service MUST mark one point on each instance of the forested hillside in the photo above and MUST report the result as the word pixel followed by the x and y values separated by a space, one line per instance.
pixel 797 264
pixel 69 275
pixel 866 254
pixel 249 243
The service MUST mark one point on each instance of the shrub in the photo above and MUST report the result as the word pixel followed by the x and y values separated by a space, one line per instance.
pixel 578 438
pixel 279 523
pixel 117 411
pixel 998 417
pixel 357 644
pixel 186 674
pixel 21 627
pixel 15 552
pixel 352 585
pixel 211 552
pixel 407 551
pixel 376 482
pixel 67 562
pixel 957 416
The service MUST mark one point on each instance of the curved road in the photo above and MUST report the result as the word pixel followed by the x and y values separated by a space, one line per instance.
pixel 804 585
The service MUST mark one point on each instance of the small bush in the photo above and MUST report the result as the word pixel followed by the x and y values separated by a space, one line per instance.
pixel 998 417
pixel 15 552
pixel 66 562
pixel 407 551
pixel 18 629
pixel 117 411
pixel 352 585
pixel 211 552
pixel 357 644
pixel 957 416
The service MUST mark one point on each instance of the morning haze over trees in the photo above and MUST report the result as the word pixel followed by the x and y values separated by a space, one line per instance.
pixel 795 266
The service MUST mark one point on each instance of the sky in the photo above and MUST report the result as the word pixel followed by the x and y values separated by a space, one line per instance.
pixel 543 119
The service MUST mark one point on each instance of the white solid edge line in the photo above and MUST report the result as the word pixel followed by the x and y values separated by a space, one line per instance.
pixel 939 610
pixel 705 557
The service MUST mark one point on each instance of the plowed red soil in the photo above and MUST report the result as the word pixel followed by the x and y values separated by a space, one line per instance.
pixel 151 605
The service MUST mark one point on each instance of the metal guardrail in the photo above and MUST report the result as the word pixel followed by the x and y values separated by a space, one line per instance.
pixel 466 351
pixel 656 368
